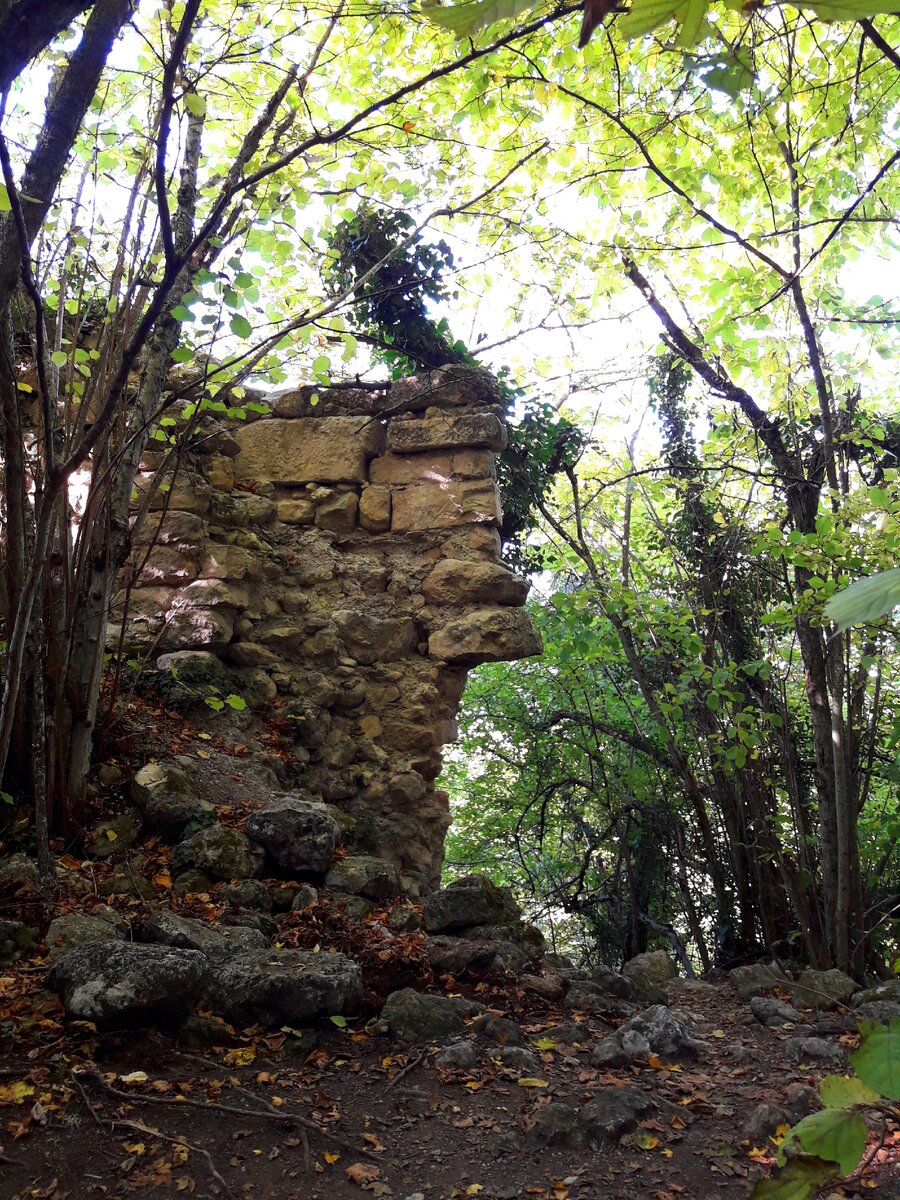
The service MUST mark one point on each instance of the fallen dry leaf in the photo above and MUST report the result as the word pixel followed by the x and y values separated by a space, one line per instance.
pixel 362 1174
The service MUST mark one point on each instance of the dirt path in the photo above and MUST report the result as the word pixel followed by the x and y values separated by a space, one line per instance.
pixel 141 1115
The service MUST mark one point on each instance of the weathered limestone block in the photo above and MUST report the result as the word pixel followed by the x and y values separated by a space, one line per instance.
pixel 371 639
pixel 308 449
pixel 219 471
pixel 169 565
pixel 184 529
pixel 427 506
pixel 375 509
pixel 186 493
pixel 450 386
pixel 329 402
pixel 212 593
pixel 486 635
pixel 298 511
pixel 225 562
pixel 435 467
pixel 197 629
pixel 476 429
pixel 457 581
pixel 337 512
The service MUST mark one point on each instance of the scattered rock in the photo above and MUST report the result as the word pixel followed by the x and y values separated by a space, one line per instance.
pixel 882 1011
pixel 355 908
pixel 298 834
pixel 614 1112
pixel 412 1016
pixel 79 929
pixel 220 853
pixel 823 989
pixel 613 984
pixel 284 987
pixel 164 776
pixel 809 1049
pixel 16 940
pixel 191 883
pixel 763 1121
pixel 304 896
pixel 557 1124
pixel 548 985
pixel 403 918
pixel 125 983
pixel 888 990
pixel 361 875
pixel 175 815
pixel 569 1033
pixel 473 900
pixel 517 1058
pixel 459 1056
pixel 585 996
pixel 497 1030
pixel 655 1029
pixel 649 974
pixel 450 955
pixel 114 836
pixel 800 1100
pixel 168 929
pixel 757 978
pixel 772 1012
pixel 246 893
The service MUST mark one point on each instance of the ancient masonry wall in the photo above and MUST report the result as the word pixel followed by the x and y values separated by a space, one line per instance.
pixel 340 556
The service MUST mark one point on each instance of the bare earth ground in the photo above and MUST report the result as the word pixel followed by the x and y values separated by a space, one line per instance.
pixel 340 1112
pixel 136 1115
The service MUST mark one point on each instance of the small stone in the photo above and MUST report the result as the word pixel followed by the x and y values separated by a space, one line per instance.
pixel 649 974
pixel 614 1112
pixel 16 940
pixel 305 896
pixel 497 1030
pixel 298 834
pixel 221 853
pixel 557 1124
pixel 772 1012
pixel 246 893
pixel 191 883
pixel 809 1049
pixel 361 875
pixel 114 836
pixel 460 1056
pixel 517 1058
pixel 412 1016
pixel 763 1122
pixel 338 512
pixel 757 978
pixel 375 509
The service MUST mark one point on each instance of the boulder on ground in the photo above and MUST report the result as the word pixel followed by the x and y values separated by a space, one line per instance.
pixel 458 1056
pixel 763 1122
pixel 452 955
pixel 655 1030
pixel 556 1124
pixel 115 835
pixel 363 875
pixel 612 1113
pixel 175 815
pixel 284 987
pixel 823 989
pixel 812 1049
pixel 220 853
pixel 613 984
pixel 772 1012
pixel 298 834
pixel 649 973
pixel 473 900
pixel 125 983
pixel 82 929
pixel 412 1016
pixel 159 777
pixel 166 928
pixel 889 990
pixel 246 893
pixel 757 978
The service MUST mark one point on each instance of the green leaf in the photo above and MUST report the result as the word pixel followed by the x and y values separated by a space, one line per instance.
pixel 836 1135
pixel 693 20
pixel 646 15
pixel 240 326
pixel 843 1091
pixel 238 703
pixel 339 1021
pixel 465 19
pixel 866 600
pixel 195 104
pixel 215 703
pixel 59 358
pixel 5 205
pixel 796 1180
pixel 877 1061
pixel 847 10
pixel 180 313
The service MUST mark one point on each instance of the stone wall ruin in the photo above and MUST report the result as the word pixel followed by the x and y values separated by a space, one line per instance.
pixel 340 558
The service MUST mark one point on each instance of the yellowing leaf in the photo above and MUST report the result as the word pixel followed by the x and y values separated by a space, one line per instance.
pixel 331 1158
pixel 646 1141
pixel 240 1056
pixel 111 834
pixel 137 1148
pixel 15 1093
pixel 533 1083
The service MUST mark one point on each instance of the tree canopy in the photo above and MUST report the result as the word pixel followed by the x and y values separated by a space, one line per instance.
pixel 670 248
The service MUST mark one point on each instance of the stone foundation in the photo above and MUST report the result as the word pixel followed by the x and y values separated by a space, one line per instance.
pixel 340 557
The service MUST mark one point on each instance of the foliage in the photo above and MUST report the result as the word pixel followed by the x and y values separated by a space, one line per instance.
pixel 829 1144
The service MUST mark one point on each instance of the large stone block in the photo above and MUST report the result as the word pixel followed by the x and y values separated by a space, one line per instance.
pixel 187 493
pixel 486 635
pixel 458 581
pixel 446 387
pixel 308 450
pixel 427 506
pixel 479 430
pixel 375 509
pixel 372 639
pixel 433 467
